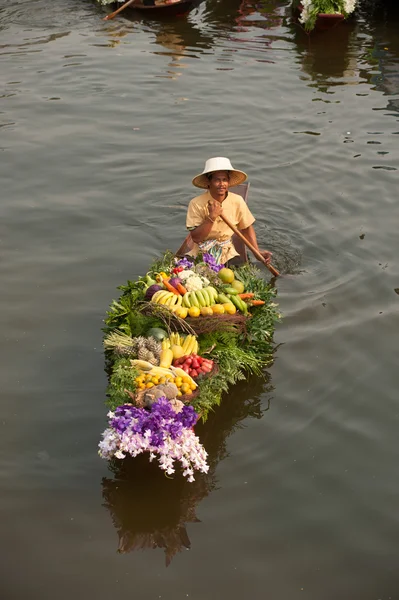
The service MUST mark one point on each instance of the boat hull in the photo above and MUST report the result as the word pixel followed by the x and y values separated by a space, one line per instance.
pixel 324 21
pixel 173 8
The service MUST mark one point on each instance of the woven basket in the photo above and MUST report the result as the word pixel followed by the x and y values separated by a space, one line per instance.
pixel 138 397
pixel 236 323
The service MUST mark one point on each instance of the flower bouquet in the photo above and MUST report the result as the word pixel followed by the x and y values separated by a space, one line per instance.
pixel 160 431
pixel 332 11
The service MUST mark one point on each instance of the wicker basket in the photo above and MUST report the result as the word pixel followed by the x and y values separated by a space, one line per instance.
pixel 236 323
pixel 138 397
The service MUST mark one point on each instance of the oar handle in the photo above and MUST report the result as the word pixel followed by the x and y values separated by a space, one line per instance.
pixel 112 15
pixel 254 251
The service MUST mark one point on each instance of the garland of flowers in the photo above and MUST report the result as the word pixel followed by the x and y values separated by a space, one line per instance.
pixel 310 9
pixel 171 401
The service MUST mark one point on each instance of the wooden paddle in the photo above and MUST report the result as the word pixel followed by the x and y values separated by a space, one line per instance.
pixel 112 15
pixel 254 251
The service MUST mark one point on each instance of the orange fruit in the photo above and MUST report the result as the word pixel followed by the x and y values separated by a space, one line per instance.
pixel 206 311
pixel 149 385
pixel 185 388
pixel 194 311
pixel 229 308
pixel 218 309
pixel 226 275
pixel 181 311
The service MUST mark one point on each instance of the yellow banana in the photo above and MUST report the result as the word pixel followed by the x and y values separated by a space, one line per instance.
pixel 162 297
pixel 186 344
pixel 165 299
pixel 171 301
pixel 158 295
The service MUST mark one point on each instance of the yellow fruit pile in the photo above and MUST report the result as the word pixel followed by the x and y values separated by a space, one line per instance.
pixel 184 384
pixel 215 309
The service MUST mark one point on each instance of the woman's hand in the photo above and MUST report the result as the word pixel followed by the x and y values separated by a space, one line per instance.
pixel 215 209
pixel 266 255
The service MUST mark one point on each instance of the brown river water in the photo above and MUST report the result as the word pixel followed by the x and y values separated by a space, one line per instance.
pixel 102 127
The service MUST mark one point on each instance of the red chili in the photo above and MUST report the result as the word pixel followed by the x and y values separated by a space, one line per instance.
pixel 177 270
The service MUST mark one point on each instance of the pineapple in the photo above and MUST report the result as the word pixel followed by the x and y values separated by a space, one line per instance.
pixel 129 351
pixel 155 347
pixel 144 354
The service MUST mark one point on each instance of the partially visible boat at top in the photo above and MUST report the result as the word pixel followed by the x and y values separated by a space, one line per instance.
pixel 323 22
pixel 169 7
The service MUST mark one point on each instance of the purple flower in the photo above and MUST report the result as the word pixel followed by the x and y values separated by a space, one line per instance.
pixel 185 263
pixel 211 262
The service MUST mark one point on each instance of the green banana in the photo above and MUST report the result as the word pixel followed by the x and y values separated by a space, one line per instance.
pixel 212 292
pixel 194 300
pixel 208 297
pixel 201 298
pixel 186 300
pixel 222 298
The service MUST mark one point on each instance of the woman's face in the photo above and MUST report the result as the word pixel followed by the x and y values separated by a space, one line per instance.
pixel 219 183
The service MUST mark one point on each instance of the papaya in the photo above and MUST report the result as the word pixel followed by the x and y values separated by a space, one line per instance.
pixel 166 358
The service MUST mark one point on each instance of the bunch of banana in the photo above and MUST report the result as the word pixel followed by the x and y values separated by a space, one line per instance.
pixel 167 298
pixel 149 369
pixel 188 344
pixel 200 298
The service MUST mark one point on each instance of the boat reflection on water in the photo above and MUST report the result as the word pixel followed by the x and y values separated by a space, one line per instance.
pixel 150 510
pixel 327 56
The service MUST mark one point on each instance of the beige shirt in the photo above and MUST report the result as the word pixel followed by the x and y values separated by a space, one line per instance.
pixel 236 211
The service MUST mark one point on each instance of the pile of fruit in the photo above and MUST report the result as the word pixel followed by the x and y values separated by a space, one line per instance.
pixel 188 294
pixel 194 365
pixel 150 377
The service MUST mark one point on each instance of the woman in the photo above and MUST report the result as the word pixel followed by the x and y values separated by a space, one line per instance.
pixel 208 230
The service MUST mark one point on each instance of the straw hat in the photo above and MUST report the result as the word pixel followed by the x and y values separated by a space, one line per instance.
pixel 219 163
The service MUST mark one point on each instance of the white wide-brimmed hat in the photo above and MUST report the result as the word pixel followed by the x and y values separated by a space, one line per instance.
pixel 219 163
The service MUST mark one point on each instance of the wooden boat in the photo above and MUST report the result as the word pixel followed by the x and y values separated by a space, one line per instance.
pixel 177 7
pixel 243 191
pixel 324 21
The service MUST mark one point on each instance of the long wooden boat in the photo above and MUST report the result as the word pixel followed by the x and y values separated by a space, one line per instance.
pixel 172 8
pixel 243 191
pixel 324 21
